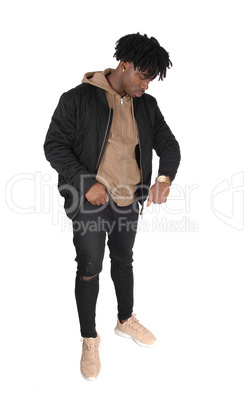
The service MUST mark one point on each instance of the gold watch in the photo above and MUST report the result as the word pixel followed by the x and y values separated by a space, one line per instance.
pixel 163 179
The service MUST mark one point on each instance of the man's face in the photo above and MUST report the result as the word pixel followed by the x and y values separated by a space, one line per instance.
pixel 135 82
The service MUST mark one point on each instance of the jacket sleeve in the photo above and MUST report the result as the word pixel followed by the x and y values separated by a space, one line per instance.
pixel 58 147
pixel 166 147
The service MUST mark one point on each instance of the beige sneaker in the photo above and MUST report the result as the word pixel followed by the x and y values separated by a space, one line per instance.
pixel 90 361
pixel 137 332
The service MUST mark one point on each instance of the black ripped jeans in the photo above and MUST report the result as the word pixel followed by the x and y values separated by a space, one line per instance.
pixel 90 227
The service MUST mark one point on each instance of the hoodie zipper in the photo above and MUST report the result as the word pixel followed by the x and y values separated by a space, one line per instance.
pixel 122 136
pixel 106 131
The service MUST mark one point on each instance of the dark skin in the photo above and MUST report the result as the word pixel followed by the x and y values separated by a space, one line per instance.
pixel 127 81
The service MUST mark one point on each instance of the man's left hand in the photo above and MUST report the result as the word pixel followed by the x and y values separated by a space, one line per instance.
pixel 158 193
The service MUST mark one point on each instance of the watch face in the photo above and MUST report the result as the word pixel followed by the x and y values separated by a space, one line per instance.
pixel 163 179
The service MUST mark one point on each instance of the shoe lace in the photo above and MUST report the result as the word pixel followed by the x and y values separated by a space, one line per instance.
pixel 135 324
pixel 90 347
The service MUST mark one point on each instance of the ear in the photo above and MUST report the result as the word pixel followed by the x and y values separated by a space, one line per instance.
pixel 124 65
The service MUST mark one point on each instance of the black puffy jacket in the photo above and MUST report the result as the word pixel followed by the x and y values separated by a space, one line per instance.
pixel 78 133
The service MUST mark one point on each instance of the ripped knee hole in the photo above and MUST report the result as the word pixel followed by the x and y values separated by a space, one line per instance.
pixel 87 278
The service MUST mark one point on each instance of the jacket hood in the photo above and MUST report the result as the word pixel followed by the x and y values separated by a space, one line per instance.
pixel 98 79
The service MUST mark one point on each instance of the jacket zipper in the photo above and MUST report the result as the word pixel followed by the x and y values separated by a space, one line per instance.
pixel 141 212
pixel 122 136
pixel 106 131
pixel 81 199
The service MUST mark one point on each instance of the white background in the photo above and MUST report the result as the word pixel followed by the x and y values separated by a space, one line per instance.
pixel 191 275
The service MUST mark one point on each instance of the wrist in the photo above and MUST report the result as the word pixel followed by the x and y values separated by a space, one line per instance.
pixel 163 179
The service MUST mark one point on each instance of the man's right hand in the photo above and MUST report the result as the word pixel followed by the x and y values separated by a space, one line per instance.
pixel 97 194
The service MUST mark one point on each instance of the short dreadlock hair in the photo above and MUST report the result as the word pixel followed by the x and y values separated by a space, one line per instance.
pixel 145 53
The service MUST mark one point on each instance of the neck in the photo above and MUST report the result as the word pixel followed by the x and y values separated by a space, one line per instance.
pixel 115 82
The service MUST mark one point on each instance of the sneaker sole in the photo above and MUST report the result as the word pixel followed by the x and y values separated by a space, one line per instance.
pixel 125 335
pixel 91 378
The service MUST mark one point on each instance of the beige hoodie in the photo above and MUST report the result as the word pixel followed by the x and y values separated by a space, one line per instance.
pixel 118 170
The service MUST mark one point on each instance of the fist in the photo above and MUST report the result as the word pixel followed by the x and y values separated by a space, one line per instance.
pixel 97 194
pixel 158 193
